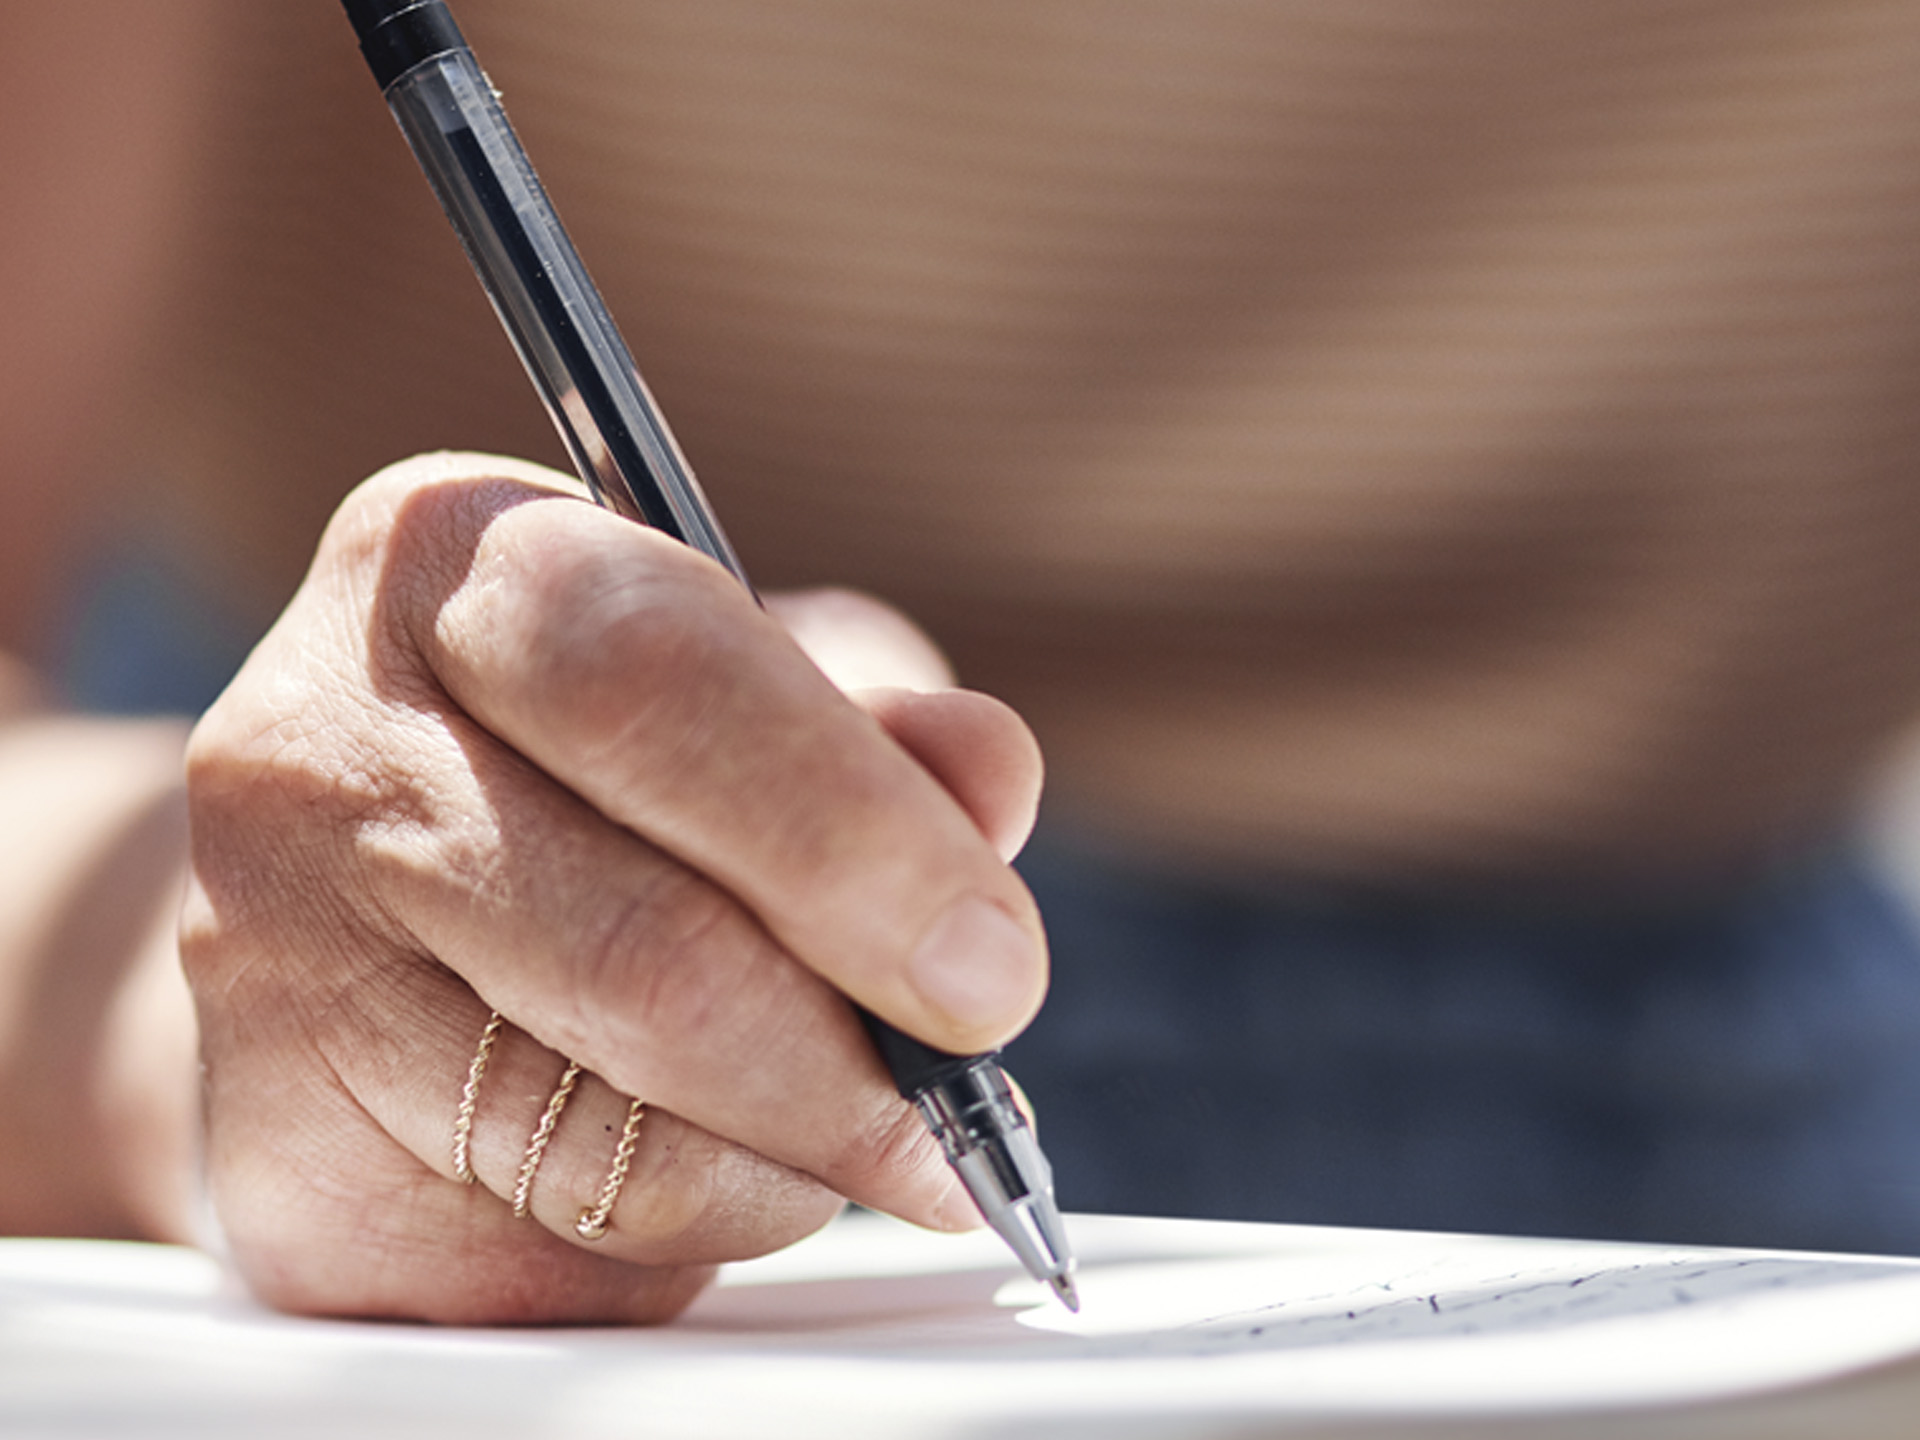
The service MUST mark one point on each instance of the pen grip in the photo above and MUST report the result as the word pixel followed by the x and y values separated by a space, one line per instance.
pixel 914 1065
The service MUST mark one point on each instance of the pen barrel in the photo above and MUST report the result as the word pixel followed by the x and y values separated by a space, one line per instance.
pixel 974 1116
pixel 396 35
pixel 992 1148
pixel 612 429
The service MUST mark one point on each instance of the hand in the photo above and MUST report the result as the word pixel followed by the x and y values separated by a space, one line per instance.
pixel 508 752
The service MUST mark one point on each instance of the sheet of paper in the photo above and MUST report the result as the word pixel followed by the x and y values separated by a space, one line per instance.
pixel 875 1330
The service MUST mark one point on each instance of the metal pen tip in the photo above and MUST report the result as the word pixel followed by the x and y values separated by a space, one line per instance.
pixel 1063 1287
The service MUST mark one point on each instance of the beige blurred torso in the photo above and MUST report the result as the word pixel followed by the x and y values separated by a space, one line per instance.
pixel 1365 437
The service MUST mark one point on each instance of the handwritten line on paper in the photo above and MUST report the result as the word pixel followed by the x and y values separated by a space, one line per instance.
pixel 1412 1308
pixel 1452 1289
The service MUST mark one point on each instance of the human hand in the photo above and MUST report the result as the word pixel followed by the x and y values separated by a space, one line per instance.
pixel 508 752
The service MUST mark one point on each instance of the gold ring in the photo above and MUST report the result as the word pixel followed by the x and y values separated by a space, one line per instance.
pixel 592 1224
pixel 470 1100
pixel 542 1133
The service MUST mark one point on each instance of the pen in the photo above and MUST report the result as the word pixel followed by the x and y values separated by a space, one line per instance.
pixel 620 444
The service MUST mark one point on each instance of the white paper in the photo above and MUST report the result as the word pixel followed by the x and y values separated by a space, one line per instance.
pixel 875 1330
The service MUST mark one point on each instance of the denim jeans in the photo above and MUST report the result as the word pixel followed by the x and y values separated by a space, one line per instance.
pixel 1744 1070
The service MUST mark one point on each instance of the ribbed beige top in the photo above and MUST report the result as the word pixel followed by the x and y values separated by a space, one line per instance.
pixel 1364 436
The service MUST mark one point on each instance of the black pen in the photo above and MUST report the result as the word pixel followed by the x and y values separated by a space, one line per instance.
pixel 621 446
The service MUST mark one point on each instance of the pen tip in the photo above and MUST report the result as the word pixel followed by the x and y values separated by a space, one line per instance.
pixel 1063 1287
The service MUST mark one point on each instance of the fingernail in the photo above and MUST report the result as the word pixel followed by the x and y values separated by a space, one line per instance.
pixel 957 1211
pixel 976 965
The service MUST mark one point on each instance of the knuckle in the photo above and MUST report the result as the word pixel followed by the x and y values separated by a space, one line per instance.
pixel 278 817
pixel 890 1154
pixel 658 959
pixel 422 484
pixel 207 960
pixel 407 539
pixel 699 1199
pixel 364 525
pixel 637 645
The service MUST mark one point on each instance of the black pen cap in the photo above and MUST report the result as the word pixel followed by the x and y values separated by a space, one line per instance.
pixel 396 35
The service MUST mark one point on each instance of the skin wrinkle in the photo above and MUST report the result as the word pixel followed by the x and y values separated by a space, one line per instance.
pixel 326 1174
pixel 678 637
pixel 321 1191
pixel 419 831
pixel 258 919
pixel 697 993
pixel 388 1247
pixel 898 1144
pixel 393 662
pixel 685 1203
pixel 427 522
pixel 383 1052
pixel 678 989
pixel 226 797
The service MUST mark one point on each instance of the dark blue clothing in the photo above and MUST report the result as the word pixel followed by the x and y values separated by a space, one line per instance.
pixel 140 634
pixel 1746 1071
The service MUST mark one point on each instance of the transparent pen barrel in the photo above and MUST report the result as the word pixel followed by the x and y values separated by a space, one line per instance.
pixel 558 323
pixel 992 1148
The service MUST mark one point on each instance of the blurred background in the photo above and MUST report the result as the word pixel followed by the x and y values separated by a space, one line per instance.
pixel 1440 481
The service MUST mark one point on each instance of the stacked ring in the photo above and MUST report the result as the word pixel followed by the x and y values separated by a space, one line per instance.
pixel 592 1223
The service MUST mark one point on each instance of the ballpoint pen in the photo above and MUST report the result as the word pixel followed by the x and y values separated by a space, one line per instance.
pixel 620 444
